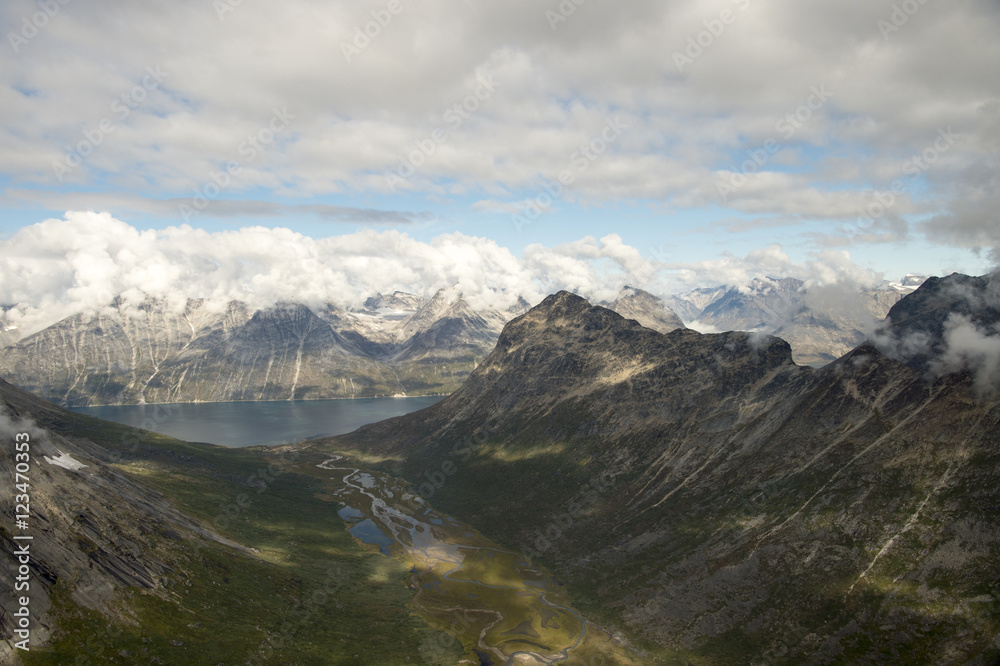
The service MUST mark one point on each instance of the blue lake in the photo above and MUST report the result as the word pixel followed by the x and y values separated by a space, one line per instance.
pixel 239 424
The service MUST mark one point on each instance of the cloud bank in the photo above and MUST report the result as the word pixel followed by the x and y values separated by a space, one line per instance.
pixel 806 110
pixel 60 267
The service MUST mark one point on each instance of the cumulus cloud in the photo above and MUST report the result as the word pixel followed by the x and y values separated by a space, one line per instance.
pixel 80 263
pixel 916 344
pixel 60 267
pixel 557 84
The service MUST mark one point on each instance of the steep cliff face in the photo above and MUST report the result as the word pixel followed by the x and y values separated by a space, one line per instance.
pixel 726 503
pixel 114 356
pixel 283 353
pixel 447 328
pixel 151 353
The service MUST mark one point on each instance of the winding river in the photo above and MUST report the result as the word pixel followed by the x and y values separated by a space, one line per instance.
pixel 491 598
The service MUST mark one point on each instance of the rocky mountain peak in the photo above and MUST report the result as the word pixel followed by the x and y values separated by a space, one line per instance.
pixel 447 301
pixel 948 324
pixel 565 344
pixel 909 283
pixel 555 310
pixel 563 299
pixel 397 300
pixel 646 308
pixel 975 297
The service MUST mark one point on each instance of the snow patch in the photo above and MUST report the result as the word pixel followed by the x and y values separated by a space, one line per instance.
pixel 65 461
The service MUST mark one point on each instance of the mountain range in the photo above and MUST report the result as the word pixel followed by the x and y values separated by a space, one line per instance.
pixel 706 493
pixel 148 353
pixel 398 344
pixel 699 498
pixel 395 345
pixel 822 323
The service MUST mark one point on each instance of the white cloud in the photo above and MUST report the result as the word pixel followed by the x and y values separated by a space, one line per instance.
pixel 60 267
pixel 969 347
pixel 354 120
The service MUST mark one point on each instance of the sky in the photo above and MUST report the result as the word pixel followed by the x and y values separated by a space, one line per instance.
pixel 324 150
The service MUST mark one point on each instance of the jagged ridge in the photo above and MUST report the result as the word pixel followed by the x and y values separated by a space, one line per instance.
pixel 756 510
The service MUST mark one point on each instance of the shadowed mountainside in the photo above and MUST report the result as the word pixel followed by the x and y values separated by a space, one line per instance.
pixel 720 500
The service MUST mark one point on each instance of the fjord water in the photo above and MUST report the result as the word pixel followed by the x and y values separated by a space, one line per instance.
pixel 239 424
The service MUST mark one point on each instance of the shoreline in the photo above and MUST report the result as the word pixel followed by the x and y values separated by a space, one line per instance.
pixel 236 402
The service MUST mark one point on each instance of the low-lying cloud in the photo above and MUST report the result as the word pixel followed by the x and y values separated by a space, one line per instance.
pixel 954 329
pixel 967 346
pixel 60 267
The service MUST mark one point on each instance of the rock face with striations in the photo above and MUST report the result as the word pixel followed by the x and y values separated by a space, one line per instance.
pixel 92 530
pixel 720 500
pixel 397 345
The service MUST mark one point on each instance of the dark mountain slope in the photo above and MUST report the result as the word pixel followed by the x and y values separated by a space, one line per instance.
pixel 724 502
pixel 919 330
